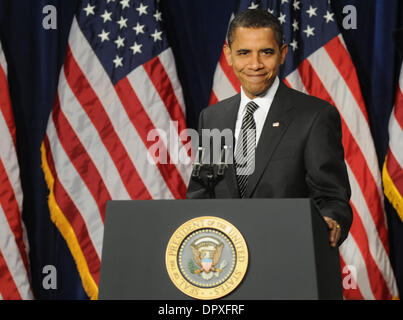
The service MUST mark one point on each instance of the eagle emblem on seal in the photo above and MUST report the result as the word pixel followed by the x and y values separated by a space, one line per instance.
pixel 207 254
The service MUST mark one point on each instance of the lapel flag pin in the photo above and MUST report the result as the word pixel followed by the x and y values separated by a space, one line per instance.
pixel 276 124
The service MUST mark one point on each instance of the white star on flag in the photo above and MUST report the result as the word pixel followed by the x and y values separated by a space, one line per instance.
pixel 294 44
pixel 106 16
pixel 142 9
pixel 328 16
pixel 118 61
pixel 295 25
pixel 253 5
pixel 120 42
pixel 139 28
pixel 309 31
pixel 282 18
pixel 157 16
pixel 104 35
pixel 124 4
pixel 122 23
pixel 311 11
pixel 136 48
pixel 89 10
pixel 156 35
pixel 296 5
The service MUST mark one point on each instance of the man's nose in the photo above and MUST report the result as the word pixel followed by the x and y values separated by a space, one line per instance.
pixel 255 62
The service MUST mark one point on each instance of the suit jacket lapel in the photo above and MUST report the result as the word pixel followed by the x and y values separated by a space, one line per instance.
pixel 271 135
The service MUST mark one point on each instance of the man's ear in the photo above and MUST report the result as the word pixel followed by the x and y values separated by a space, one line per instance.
pixel 283 52
pixel 227 54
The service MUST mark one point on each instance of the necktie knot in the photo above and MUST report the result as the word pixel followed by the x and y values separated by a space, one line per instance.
pixel 251 107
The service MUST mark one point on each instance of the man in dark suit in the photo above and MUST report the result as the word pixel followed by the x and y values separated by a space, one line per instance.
pixel 296 137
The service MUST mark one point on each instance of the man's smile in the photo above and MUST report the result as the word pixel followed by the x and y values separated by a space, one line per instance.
pixel 256 77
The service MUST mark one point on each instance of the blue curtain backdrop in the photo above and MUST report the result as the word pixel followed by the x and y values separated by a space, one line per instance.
pixel 195 30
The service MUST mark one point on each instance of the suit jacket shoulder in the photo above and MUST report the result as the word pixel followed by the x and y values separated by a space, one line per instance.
pixel 223 107
pixel 220 115
pixel 303 101
pixel 307 108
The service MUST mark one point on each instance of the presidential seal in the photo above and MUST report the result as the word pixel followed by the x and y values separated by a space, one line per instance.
pixel 206 258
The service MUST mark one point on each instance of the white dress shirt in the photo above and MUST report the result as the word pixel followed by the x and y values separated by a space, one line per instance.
pixel 264 103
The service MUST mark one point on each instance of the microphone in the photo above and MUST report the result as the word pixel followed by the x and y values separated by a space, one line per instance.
pixel 223 164
pixel 210 171
pixel 197 164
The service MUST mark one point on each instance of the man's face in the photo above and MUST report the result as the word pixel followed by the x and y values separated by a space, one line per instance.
pixel 255 57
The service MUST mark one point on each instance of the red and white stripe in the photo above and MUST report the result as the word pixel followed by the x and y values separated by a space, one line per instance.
pixel 393 168
pixel 330 75
pixel 14 265
pixel 97 146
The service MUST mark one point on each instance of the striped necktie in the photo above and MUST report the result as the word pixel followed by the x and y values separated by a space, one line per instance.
pixel 245 148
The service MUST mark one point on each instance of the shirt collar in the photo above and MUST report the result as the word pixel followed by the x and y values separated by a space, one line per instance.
pixel 263 101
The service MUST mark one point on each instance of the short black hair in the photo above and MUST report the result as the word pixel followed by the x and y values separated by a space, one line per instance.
pixel 255 18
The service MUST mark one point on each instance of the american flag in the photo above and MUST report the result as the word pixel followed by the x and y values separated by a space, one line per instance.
pixel 14 265
pixel 392 173
pixel 117 86
pixel 318 63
